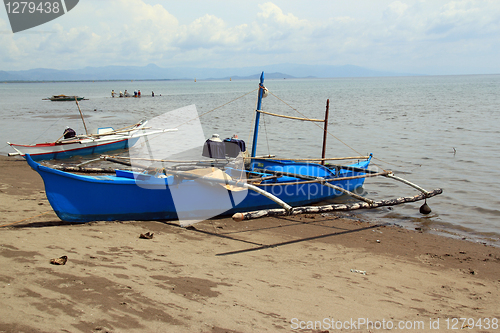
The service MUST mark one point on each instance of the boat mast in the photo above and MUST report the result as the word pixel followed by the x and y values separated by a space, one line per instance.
pixel 325 132
pixel 81 115
pixel 257 116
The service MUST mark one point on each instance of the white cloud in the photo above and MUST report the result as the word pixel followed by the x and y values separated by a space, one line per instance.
pixel 394 35
pixel 398 8
pixel 209 31
pixel 270 11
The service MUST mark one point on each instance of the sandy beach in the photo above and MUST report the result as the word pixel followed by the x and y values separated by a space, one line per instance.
pixel 309 273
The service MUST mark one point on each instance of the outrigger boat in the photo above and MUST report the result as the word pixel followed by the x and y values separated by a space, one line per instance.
pixel 105 139
pixel 64 98
pixel 269 185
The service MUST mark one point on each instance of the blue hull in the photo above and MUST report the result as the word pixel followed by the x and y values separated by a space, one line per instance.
pixel 132 196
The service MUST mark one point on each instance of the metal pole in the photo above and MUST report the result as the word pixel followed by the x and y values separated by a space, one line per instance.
pixel 323 153
pixel 257 116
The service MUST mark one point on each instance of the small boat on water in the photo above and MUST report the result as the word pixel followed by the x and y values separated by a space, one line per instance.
pixel 64 98
pixel 207 189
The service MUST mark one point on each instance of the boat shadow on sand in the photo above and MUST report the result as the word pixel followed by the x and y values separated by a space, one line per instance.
pixel 284 223
pixel 260 225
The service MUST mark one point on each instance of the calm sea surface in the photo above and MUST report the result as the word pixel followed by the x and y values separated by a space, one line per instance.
pixel 438 131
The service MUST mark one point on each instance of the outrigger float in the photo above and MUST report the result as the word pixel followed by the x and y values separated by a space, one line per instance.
pixel 195 190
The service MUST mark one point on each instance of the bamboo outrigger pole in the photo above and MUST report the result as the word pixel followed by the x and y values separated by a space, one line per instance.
pixel 229 181
pixel 320 180
pixel 225 181
pixel 238 217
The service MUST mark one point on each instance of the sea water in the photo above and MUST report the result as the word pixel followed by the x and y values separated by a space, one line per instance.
pixel 435 131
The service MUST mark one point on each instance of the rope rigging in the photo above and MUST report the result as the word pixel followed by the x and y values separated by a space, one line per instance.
pixel 328 132
pixel 304 118
pixel 314 121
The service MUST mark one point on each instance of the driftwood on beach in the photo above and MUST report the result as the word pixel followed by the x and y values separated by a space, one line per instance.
pixel 329 208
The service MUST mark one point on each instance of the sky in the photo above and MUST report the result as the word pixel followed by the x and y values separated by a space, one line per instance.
pixel 435 37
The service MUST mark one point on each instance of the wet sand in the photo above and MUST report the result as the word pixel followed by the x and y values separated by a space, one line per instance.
pixel 271 274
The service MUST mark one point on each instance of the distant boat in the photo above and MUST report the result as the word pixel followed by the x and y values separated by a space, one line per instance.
pixel 64 98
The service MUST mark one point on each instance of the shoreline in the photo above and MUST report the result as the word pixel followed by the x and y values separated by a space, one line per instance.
pixel 452 231
pixel 268 274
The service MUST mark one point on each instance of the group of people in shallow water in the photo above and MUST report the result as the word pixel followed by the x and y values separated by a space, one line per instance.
pixel 137 93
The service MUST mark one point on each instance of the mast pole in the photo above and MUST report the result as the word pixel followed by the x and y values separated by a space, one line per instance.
pixel 257 116
pixel 323 153
pixel 81 115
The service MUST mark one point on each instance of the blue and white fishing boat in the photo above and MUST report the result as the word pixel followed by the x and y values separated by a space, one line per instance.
pixel 70 144
pixel 167 194
pixel 105 139
pixel 132 196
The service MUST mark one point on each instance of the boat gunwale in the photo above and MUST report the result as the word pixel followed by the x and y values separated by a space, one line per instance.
pixel 152 180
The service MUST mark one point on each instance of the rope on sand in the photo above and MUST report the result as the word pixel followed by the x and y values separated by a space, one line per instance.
pixel 29 218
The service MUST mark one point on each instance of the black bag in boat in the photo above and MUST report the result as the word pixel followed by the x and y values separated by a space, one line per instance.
pixel 214 149
pixel 69 133
pixel 234 146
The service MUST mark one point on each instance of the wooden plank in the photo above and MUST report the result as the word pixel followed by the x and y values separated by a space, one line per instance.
pixel 290 117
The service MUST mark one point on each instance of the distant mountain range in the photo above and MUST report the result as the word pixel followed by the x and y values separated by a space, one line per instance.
pixel 154 72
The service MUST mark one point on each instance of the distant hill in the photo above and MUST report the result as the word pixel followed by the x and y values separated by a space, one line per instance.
pixel 9 76
pixel 256 77
pixel 154 72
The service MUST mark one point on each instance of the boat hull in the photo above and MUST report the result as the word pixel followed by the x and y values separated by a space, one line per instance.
pixel 130 196
pixel 51 151
pixel 64 98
